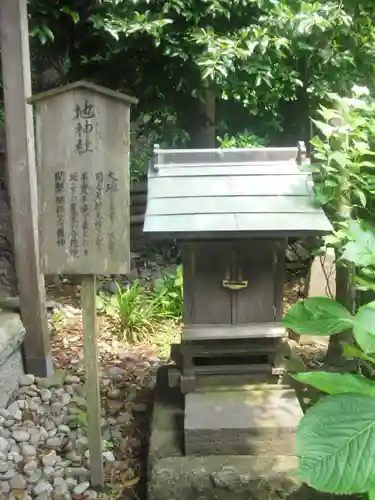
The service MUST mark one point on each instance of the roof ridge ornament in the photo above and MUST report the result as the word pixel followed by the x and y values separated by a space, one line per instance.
pixel 302 153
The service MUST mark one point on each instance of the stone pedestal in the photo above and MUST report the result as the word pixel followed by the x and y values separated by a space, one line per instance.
pixel 12 333
pixel 259 421
pixel 173 476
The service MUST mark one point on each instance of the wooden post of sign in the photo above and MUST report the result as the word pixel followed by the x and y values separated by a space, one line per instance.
pixel 83 135
pixel 15 62
pixel 88 304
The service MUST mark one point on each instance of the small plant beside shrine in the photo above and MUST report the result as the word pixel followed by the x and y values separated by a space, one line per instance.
pixel 139 312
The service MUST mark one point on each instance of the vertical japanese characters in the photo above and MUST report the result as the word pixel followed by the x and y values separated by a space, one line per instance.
pixel 85 198
pixel 84 116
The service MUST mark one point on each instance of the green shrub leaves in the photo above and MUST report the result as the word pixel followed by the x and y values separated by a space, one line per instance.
pixel 318 316
pixel 336 444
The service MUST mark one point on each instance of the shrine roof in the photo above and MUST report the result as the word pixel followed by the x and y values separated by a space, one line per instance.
pixel 260 190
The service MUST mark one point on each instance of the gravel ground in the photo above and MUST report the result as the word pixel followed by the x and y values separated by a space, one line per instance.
pixel 43 444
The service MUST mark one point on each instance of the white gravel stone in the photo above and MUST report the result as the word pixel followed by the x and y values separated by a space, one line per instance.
pixel 8 474
pixel 18 482
pixel 5 433
pixel 50 459
pixel 57 408
pixel 54 442
pixel 66 399
pixel 71 482
pixel 21 436
pixel 44 496
pixel 28 450
pixel 42 486
pixel 35 477
pixel 4 413
pixel 4 445
pixel 60 486
pixel 22 404
pixel 48 424
pixel 48 472
pixel 81 488
pixel 52 433
pixel 30 467
pixel 45 395
pixel 34 406
pixel 4 487
pixel 27 379
pixel 64 429
pixel 77 472
pixel 35 438
pixel 4 466
pixel 15 457
pixel 14 411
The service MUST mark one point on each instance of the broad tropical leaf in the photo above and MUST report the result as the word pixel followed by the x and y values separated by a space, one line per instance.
pixel 360 251
pixel 336 444
pixel 364 328
pixel 318 316
pixel 337 383
pixel 371 494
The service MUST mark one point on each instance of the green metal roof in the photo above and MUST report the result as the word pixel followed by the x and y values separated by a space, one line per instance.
pixel 231 190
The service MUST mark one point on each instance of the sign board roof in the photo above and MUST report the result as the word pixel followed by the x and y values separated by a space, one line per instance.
pixel 82 85
pixel 260 190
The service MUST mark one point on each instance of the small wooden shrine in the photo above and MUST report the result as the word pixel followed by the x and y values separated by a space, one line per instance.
pixel 233 210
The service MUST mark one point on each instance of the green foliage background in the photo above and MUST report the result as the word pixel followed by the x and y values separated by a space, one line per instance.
pixel 268 62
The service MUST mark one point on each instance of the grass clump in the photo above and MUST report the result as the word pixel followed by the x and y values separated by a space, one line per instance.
pixel 143 313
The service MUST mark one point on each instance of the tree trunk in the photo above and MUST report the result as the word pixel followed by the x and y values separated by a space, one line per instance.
pixel 345 294
pixel 345 286
pixel 205 135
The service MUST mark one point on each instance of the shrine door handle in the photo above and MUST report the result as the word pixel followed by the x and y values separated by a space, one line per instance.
pixel 234 285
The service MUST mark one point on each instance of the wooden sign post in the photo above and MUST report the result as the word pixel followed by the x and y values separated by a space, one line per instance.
pixel 83 135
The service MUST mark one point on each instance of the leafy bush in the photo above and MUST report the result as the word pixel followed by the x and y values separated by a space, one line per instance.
pixel 169 294
pixel 336 437
pixel 343 157
pixel 154 127
pixel 244 140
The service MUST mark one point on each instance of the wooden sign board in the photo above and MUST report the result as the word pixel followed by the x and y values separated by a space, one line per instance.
pixel 82 134
pixel 83 137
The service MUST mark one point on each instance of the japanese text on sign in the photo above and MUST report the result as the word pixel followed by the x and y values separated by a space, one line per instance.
pixel 85 194
pixel 84 128
pixel 60 208
pixel 112 188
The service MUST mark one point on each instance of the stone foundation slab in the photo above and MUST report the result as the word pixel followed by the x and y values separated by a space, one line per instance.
pixel 173 476
pixel 242 422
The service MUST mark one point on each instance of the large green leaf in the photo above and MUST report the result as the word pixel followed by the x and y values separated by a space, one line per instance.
pixel 371 494
pixel 360 251
pixel 364 328
pixel 336 444
pixel 318 316
pixel 337 383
